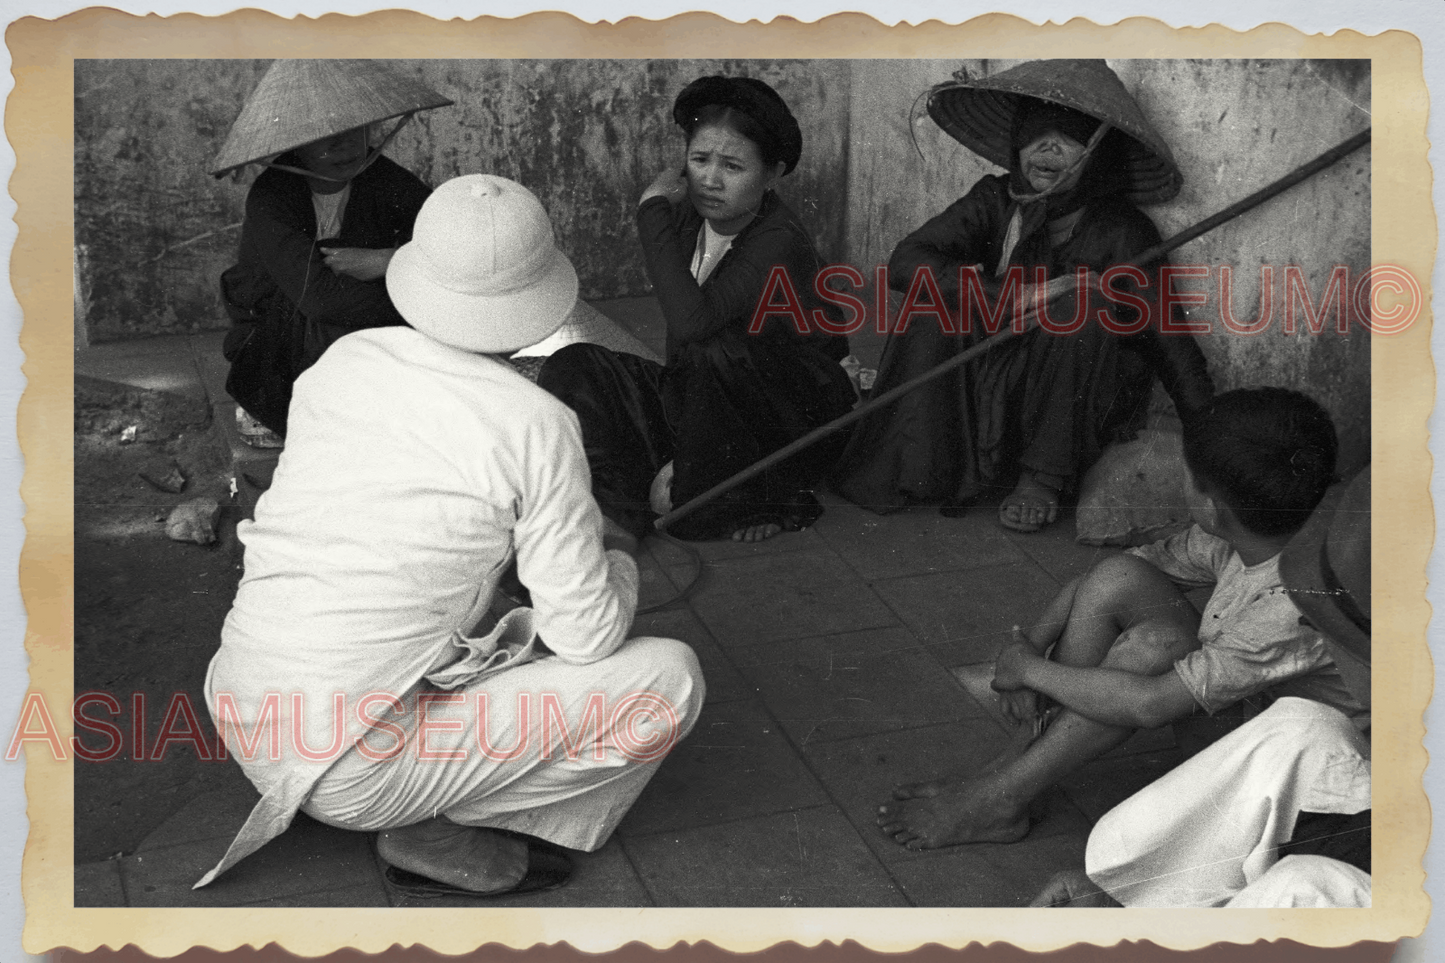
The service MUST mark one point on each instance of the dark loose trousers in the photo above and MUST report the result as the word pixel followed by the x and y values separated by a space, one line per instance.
pixel 726 397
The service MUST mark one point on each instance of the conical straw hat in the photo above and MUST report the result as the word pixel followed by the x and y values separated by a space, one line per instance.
pixel 299 101
pixel 979 114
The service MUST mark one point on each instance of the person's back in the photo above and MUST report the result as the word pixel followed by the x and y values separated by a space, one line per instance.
pixel 410 473
pixel 417 468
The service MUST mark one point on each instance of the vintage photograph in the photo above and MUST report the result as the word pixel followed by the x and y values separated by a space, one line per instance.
pixel 784 483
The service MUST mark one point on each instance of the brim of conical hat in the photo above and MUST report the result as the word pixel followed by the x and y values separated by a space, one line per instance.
pixel 1337 534
pixel 300 101
pixel 980 113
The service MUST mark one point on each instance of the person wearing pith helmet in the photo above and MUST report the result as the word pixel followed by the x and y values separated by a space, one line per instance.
pixel 1025 420
pixel 419 465
pixel 322 220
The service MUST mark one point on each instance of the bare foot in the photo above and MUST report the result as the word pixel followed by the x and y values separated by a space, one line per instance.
pixel 958 811
pixel 1030 506
pixel 476 859
pixel 757 533
pixel 1074 889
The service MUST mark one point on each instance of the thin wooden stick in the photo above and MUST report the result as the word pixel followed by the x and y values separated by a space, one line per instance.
pixel 1152 254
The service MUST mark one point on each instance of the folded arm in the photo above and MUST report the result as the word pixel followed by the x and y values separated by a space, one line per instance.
pixel 279 236
pixel 733 290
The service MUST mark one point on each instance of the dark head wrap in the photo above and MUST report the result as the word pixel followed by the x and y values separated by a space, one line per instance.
pixel 778 137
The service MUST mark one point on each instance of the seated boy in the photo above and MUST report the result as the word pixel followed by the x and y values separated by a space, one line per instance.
pixel 1131 652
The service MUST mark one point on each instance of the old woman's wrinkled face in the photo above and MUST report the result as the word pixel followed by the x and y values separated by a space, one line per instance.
pixel 1046 161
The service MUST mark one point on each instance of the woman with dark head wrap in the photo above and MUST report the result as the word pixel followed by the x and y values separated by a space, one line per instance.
pixel 1035 412
pixel 713 236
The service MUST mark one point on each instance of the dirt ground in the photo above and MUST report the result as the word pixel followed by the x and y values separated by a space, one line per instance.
pixel 148 610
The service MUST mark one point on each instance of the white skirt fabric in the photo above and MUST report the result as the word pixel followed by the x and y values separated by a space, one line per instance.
pixel 1205 832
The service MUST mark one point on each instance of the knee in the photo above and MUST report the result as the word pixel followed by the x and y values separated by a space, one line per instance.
pixel 670 670
pixel 1151 648
pixel 1118 577
pixel 569 366
pixel 1291 721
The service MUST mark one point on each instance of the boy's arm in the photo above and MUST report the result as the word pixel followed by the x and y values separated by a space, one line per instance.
pixel 1112 696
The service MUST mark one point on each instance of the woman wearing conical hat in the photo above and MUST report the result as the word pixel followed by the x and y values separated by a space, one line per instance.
pixel 1029 416
pixel 322 221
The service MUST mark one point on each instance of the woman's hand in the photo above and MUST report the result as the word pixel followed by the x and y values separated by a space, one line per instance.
pixel 1067 284
pixel 1060 287
pixel 671 184
pixel 362 263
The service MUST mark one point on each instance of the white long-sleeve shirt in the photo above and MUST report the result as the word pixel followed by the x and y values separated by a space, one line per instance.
pixel 412 474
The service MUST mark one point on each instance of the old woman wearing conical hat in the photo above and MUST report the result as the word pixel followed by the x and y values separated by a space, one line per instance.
pixel 1028 417
pixel 322 221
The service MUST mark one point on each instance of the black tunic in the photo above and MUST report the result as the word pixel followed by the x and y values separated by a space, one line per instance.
pixel 286 305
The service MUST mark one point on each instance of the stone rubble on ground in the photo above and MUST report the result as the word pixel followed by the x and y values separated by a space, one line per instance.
pixel 194 521
pixel 165 475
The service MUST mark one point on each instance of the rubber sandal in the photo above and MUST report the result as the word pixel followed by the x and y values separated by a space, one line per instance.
pixel 548 867
pixel 254 433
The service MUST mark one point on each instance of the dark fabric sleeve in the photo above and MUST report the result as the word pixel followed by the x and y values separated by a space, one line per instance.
pixel 731 294
pixel 385 201
pixel 280 227
pixel 967 232
pixel 1122 232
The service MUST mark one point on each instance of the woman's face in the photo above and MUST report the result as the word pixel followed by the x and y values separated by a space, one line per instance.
pixel 726 177
pixel 339 156
pixel 1045 159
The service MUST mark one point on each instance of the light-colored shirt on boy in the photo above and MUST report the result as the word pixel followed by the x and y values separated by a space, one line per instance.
pixel 1251 635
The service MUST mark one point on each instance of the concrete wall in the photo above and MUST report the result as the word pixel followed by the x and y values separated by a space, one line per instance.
pixel 153 231
pixel 1234 126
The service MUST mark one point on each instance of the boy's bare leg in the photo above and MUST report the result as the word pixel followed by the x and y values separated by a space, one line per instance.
pixel 1118 594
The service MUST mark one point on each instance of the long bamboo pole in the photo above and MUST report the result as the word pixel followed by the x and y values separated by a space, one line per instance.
pixel 1229 213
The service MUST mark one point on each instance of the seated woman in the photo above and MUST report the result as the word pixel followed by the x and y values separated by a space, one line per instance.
pixel 350 650
pixel 1034 412
pixel 659 435
pixel 321 224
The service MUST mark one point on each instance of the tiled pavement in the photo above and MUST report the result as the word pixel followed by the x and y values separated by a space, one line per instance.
pixel 826 655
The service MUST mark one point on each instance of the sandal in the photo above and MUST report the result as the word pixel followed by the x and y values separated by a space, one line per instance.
pixel 1031 492
pixel 254 433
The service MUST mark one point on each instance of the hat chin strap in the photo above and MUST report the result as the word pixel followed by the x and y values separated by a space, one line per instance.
pixel 1016 222
pixel 371 157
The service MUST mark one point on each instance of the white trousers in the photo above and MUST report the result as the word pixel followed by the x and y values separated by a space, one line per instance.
pixel 1207 833
pixel 550 749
